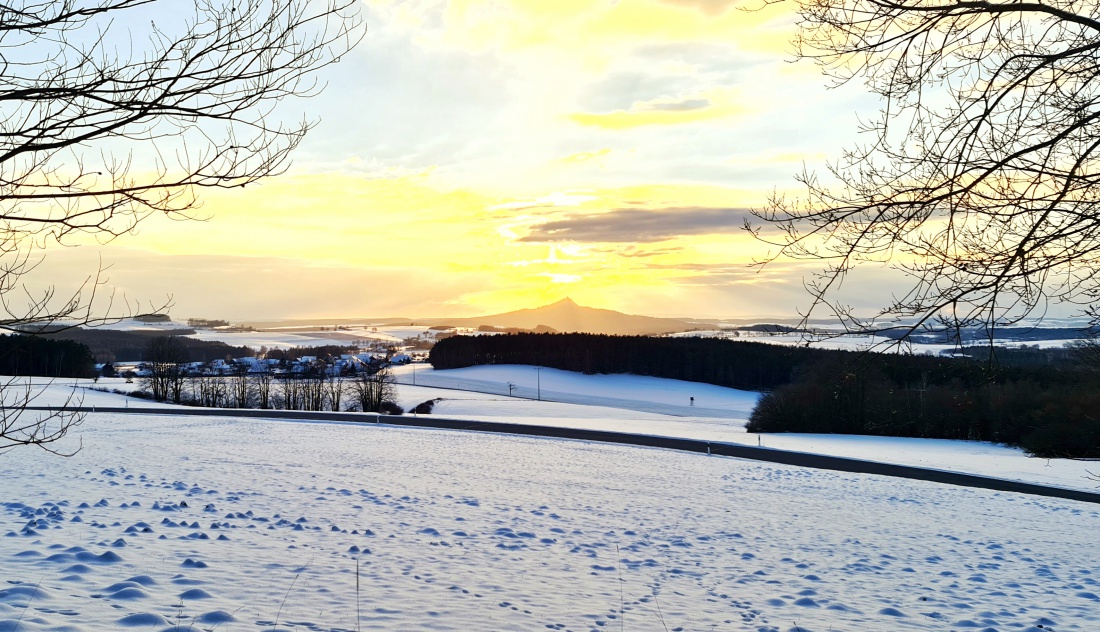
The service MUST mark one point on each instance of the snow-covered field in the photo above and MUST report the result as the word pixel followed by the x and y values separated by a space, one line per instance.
pixel 191 523
pixel 288 339
pixel 631 392
pixel 612 402
pixel 625 400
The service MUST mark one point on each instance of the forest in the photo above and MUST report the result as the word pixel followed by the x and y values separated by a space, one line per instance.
pixel 1044 401
pixel 744 365
pixel 33 355
pixel 108 345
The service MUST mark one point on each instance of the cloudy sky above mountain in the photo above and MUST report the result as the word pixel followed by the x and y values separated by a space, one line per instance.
pixel 482 156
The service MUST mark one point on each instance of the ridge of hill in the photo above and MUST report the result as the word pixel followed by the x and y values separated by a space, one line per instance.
pixel 567 316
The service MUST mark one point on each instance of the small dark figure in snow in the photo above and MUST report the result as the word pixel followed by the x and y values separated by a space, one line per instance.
pixel 692 402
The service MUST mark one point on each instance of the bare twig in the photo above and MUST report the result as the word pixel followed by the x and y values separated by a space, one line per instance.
pixel 622 601
pixel 660 615
pixel 94 140
pixel 979 181
pixel 283 602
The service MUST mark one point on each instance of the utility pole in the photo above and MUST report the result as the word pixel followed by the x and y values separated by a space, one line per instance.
pixel 538 381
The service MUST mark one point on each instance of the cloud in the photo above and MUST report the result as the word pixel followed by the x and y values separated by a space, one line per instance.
pixel 551 259
pixel 634 252
pixel 562 278
pixel 640 225
pixel 708 60
pixel 675 105
pixel 585 157
pixel 669 83
pixel 392 90
pixel 661 111
pixel 556 199
pixel 722 274
pixel 709 7
pixel 621 90
pixel 667 71
pixel 241 287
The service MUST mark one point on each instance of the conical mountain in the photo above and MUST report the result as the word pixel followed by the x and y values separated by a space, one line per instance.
pixel 566 316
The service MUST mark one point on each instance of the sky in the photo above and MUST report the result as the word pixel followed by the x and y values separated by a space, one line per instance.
pixel 476 157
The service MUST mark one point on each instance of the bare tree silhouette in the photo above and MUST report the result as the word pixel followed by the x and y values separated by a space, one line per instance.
pixel 42 428
pixel 115 110
pixel 980 177
pixel 372 391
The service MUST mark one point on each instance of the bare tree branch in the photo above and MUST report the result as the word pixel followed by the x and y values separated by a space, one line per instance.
pixel 42 428
pixel 981 177
pixel 112 111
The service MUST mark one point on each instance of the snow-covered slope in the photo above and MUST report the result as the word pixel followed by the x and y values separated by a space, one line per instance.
pixel 630 392
pixel 724 421
pixel 719 415
pixel 188 523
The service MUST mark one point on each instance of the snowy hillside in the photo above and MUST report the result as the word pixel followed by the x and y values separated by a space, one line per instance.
pixel 655 406
pixel 630 392
pixel 196 523
pixel 620 413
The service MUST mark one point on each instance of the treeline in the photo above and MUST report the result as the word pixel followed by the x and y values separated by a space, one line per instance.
pixel 206 323
pixel 33 355
pixel 1041 400
pixel 743 365
pixel 980 336
pixel 129 346
pixel 1049 411
pixel 731 363
pixel 293 353
pixel 312 391
pixel 1024 355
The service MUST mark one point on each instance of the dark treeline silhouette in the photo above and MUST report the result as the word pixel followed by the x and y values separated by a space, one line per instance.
pixel 1023 356
pixel 32 355
pixel 731 363
pixel 744 365
pixel 1039 399
pixel 293 353
pixel 311 390
pixel 980 336
pixel 129 346
pixel 1049 411
pixel 771 328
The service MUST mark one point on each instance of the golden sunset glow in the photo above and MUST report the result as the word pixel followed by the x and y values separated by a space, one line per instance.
pixel 480 156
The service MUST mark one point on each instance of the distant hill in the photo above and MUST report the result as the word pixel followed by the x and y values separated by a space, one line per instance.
pixel 304 323
pixel 111 345
pixel 567 317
